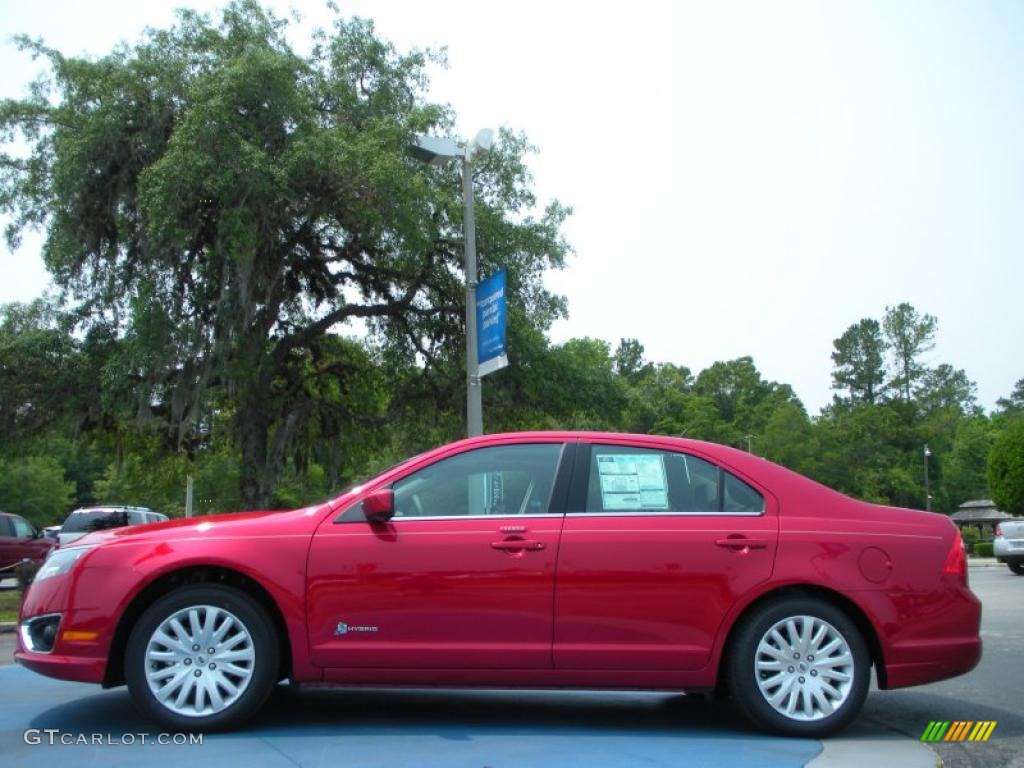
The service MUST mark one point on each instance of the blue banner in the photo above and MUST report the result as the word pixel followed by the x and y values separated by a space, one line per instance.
pixel 490 323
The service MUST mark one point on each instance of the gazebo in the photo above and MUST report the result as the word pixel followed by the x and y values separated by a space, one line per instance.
pixel 980 513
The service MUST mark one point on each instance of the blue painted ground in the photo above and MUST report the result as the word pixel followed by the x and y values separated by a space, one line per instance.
pixel 371 728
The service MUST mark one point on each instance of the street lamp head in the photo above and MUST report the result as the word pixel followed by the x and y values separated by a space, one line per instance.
pixel 481 143
pixel 434 150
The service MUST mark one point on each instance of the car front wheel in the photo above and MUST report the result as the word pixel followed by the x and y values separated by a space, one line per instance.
pixel 203 657
pixel 799 666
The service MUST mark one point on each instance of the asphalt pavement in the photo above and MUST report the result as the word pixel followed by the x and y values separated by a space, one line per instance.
pixel 478 729
pixel 994 690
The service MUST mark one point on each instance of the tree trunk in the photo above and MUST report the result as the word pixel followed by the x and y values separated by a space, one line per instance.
pixel 253 427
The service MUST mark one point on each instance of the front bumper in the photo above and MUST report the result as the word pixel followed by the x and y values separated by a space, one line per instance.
pixel 79 669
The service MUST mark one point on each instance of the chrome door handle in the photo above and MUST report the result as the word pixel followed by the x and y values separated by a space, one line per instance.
pixel 741 542
pixel 515 545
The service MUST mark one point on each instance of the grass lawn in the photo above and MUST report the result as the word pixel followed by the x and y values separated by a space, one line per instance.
pixel 10 599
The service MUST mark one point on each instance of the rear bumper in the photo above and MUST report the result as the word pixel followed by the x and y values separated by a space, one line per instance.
pixel 928 662
pixel 942 643
pixel 1004 550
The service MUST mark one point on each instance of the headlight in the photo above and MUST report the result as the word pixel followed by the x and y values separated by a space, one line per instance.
pixel 60 561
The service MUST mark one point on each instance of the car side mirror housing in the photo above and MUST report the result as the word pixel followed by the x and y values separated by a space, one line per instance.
pixel 379 506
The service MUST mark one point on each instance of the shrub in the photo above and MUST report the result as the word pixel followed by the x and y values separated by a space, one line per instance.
pixel 983 549
pixel 970 537
pixel 25 571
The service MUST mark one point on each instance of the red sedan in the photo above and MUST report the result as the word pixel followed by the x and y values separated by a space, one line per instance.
pixel 522 560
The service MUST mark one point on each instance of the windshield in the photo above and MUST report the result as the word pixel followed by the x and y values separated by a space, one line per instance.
pixel 95 520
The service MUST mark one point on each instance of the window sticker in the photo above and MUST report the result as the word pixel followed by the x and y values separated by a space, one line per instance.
pixel 631 482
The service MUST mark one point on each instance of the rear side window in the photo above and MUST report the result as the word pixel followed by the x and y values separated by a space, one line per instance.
pixel 95 520
pixel 628 479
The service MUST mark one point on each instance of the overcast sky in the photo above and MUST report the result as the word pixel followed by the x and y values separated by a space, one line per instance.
pixel 748 178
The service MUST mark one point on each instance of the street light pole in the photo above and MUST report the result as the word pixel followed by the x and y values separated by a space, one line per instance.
pixel 927 487
pixel 474 394
pixel 438 151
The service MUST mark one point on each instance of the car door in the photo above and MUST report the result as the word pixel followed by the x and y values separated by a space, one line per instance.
pixel 657 546
pixel 27 544
pixel 461 577
pixel 8 544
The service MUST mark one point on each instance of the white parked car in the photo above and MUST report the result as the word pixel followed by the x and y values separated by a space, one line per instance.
pixel 1008 545
pixel 89 519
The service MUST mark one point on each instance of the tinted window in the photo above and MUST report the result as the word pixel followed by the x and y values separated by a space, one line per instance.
pixel 740 497
pixel 502 480
pixel 627 479
pixel 6 527
pixel 22 529
pixel 95 520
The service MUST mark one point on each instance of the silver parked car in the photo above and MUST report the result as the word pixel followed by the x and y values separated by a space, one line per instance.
pixel 1008 545
pixel 89 519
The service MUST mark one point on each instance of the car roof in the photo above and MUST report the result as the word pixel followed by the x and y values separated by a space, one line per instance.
pixel 110 508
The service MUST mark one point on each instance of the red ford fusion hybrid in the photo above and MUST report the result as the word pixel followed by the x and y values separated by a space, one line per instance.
pixel 534 560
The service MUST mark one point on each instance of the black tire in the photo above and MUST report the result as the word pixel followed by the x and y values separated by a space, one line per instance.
pixel 263 668
pixel 1017 568
pixel 743 676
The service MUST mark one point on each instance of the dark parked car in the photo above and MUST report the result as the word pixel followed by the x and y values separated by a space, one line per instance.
pixel 546 559
pixel 19 540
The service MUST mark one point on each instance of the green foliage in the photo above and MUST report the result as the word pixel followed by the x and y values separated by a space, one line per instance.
pixel 299 489
pixel 859 359
pixel 145 478
pixel 983 549
pixel 224 215
pixel 1006 468
pixel 232 203
pixel 965 466
pixel 25 572
pixel 1014 404
pixel 910 335
pixel 38 368
pixel 970 536
pixel 35 488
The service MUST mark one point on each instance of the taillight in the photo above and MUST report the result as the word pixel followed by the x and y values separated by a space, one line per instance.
pixel 956 559
pixel 999 530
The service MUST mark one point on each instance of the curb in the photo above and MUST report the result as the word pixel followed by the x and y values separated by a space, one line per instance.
pixel 870 743
pixel 7 626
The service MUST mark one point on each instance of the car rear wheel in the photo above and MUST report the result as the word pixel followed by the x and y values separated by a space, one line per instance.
pixel 1017 568
pixel 799 666
pixel 202 658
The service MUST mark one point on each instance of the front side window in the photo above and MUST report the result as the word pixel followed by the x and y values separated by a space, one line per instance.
pixel 22 529
pixel 628 479
pixel 499 480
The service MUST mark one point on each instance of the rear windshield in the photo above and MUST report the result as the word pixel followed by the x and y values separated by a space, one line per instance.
pixel 95 520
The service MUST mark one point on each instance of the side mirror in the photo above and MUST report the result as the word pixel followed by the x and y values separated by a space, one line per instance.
pixel 379 506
